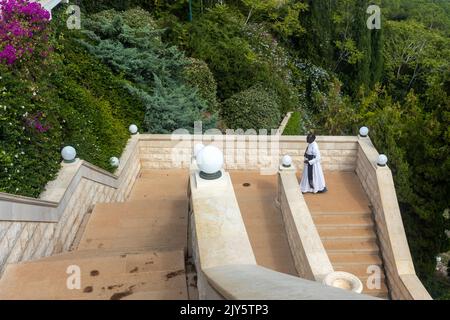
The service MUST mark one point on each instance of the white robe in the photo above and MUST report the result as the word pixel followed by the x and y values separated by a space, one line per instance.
pixel 318 178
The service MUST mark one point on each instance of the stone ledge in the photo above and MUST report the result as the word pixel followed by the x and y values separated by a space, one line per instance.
pixel 54 200
pixel 379 186
pixel 253 282
pixel 310 257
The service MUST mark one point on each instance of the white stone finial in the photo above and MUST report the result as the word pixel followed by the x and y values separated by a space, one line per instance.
pixel 210 162
pixel 68 153
pixel 286 161
pixel 114 162
pixel 133 129
pixel 363 132
pixel 382 160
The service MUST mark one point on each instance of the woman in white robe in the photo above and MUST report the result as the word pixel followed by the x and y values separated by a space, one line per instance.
pixel 312 181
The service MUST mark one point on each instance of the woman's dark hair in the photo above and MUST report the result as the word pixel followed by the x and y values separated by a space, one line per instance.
pixel 310 138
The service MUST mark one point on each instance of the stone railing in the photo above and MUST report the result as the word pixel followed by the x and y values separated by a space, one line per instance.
pixel 378 183
pixel 253 282
pixel 247 152
pixel 310 258
pixel 224 259
pixel 34 228
pixel 284 123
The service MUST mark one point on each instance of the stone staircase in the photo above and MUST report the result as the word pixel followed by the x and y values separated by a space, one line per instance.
pixel 347 229
pixel 131 250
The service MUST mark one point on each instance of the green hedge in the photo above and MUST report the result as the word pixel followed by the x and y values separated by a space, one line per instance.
pixel 198 75
pixel 253 108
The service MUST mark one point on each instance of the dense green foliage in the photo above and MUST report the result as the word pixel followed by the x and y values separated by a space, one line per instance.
pixel 253 108
pixel 198 75
pixel 240 55
pixel 71 100
pixel 408 114
pixel 131 45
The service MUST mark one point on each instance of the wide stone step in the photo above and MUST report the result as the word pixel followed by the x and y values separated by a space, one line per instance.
pixel 343 220
pixel 161 185
pixel 181 175
pixel 137 224
pixel 351 246
pixel 103 277
pixel 359 270
pixel 342 233
pixel 342 259
pixel 73 256
pixel 348 213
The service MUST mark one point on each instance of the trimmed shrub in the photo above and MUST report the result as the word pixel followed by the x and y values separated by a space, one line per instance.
pixel 216 38
pixel 253 108
pixel 198 75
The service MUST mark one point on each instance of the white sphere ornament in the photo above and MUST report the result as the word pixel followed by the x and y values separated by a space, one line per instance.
pixel 68 153
pixel 133 129
pixel 286 161
pixel 382 160
pixel 114 162
pixel 363 131
pixel 197 148
pixel 210 162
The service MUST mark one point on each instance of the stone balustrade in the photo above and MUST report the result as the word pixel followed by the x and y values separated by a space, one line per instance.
pixel 379 185
pixel 310 258
pixel 35 228
pixel 247 152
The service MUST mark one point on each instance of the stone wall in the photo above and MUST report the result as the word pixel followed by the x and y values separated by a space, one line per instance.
pixel 247 152
pixel 310 258
pixel 379 186
pixel 78 187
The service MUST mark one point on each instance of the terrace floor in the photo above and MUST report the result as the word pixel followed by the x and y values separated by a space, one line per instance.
pixel 256 195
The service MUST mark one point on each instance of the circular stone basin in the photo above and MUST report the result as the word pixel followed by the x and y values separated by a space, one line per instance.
pixel 344 280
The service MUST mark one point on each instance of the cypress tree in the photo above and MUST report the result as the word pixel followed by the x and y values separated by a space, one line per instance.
pixel 319 37
pixel 362 36
pixel 377 61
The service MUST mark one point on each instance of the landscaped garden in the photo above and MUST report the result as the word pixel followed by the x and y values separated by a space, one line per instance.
pixel 239 64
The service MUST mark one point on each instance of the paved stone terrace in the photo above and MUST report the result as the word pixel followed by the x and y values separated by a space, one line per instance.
pixel 256 195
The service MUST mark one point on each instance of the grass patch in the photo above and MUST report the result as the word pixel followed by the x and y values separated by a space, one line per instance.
pixel 293 125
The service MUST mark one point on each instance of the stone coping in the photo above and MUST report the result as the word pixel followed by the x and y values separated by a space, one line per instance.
pixel 209 137
pixel 310 257
pixel 402 279
pixel 253 282
pixel 53 201
pixel 220 231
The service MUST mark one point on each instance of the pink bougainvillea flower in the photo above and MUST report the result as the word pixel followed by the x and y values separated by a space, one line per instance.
pixel 23 30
